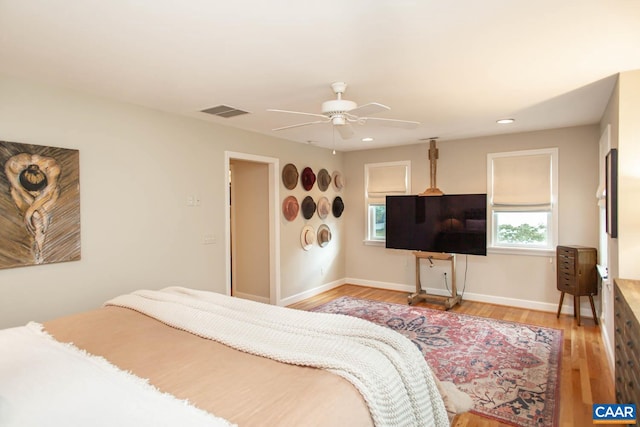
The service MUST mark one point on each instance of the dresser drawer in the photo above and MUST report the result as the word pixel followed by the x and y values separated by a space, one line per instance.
pixel 564 251
pixel 567 285
pixel 627 342
pixel 566 266
pixel 576 270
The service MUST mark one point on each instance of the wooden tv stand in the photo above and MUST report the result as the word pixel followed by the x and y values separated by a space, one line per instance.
pixel 420 294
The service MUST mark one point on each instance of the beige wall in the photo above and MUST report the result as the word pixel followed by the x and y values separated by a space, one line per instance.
pixel 508 279
pixel 611 118
pixel 137 169
pixel 629 175
pixel 608 124
pixel 621 115
pixel 322 267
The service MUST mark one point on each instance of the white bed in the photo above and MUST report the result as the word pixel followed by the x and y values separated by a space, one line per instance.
pixel 150 356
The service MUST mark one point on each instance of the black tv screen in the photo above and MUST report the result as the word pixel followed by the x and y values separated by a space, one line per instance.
pixel 455 223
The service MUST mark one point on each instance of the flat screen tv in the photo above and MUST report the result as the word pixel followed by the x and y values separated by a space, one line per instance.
pixel 455 223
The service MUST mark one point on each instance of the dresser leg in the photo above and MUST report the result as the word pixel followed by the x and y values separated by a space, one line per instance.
pixel 576 308
pixel 593 309
pixel 560 305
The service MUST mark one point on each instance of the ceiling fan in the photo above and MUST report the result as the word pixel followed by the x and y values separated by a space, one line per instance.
pixel 341 113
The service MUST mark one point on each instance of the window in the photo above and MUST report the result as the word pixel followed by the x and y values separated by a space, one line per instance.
pixel 380 180
pixel 523 189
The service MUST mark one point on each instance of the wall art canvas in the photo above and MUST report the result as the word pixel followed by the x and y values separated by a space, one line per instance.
pixel 611 181
pixel 39 204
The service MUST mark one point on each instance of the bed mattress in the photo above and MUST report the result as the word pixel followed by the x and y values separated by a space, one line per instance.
pixel 245 389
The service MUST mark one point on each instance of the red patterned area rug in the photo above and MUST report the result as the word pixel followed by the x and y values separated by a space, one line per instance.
pixel 510 370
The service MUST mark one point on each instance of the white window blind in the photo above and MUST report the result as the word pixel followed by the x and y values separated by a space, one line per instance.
pixel 522 181
pixel 381 180
pixel 386 179
pixel 523 192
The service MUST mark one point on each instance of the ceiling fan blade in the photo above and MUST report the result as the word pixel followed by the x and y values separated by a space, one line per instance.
pixel 301 124
pixel 297 112
pixel 368 109
pixel 345 131
pixel 404 124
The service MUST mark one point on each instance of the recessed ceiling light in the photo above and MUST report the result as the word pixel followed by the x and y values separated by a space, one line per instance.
pixel 505 121
pixel 367 139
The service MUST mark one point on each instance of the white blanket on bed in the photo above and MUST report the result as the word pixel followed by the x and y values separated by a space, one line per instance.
pixel 47 383
pixel 386 367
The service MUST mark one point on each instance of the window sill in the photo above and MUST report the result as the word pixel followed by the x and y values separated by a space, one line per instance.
pixel 521 251
pixel 490 250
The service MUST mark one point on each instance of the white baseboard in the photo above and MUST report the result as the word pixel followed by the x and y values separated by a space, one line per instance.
pixel 511 302
pixel 469 296
pixel 380 285
pixel 252 297
pixel 310 293
pixel 491 299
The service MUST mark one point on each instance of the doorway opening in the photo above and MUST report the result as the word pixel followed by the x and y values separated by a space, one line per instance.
pixel 252 227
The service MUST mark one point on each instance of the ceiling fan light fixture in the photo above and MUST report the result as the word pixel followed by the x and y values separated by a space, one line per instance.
pixel 338 120
pixel 505 121
pixel 337 106
pixel 342 113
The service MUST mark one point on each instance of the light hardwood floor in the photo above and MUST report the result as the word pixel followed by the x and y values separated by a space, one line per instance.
pixel 585 374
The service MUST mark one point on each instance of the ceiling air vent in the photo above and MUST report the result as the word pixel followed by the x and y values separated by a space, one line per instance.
pixel 224 111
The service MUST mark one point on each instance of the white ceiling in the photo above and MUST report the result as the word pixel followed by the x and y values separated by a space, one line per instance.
pixel 454 66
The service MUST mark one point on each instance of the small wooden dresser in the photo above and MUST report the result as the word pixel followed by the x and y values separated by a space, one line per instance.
pixel 626 307
pixel 577 275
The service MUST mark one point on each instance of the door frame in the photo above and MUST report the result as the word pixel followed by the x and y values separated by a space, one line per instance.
pixel 274 223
